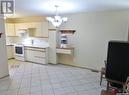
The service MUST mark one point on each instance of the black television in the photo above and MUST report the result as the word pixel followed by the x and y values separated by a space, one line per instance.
pixel 117 67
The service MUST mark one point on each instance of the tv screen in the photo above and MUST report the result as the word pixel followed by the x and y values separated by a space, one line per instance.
pixel 118 61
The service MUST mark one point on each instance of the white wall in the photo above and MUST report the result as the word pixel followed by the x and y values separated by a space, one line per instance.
pixel 93 31
pixel 3 53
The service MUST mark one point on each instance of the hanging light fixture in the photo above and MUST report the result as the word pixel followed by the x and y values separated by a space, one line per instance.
pixel 57 20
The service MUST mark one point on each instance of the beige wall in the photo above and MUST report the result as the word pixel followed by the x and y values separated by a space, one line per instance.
pixel 93 31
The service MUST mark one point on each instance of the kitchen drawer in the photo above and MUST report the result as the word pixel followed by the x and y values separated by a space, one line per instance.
pixel 39 53
pixel 34 49
pixel 40 60
pixel 64 51
pixel 35 56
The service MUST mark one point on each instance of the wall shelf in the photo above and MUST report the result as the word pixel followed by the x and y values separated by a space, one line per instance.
pixel 68 31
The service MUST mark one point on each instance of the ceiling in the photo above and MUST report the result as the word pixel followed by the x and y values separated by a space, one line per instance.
pixel 46 7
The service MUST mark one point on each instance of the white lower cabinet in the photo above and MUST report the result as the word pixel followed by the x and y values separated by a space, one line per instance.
pixel 65 51
pixel 37 55
pixel 10 51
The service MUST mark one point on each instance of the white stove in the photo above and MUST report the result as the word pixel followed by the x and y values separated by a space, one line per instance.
pixel 19 53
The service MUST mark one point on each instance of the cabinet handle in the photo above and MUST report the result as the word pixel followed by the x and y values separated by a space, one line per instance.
pixel 35 50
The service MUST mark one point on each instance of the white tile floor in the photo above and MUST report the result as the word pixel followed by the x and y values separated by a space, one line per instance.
pixel 33 79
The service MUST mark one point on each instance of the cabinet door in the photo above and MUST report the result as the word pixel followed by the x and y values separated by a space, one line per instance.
pixel 41 29
pixel 10 52
pixel 29 55
pixel 24 26
pixel 39 57
pixel 20 26
pixel 35 56
pixel 38 29
pixel 10 29
pixel 28 25
pixel 45 29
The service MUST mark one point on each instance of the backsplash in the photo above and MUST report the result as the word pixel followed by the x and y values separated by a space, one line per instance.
pixel 35 41
pixel 27 41
pixel 13 40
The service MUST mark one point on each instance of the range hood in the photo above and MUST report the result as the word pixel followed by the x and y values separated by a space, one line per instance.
pixel 23 32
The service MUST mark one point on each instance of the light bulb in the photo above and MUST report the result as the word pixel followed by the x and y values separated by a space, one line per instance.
pixel 65 19
pixel 57 20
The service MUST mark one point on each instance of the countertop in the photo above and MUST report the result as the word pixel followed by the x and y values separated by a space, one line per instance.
pixel 10 44
pixel 36 46
pixel 65 48
pixel 31 46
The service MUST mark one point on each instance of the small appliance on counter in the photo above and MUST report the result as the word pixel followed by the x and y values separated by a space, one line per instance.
pixel 64 41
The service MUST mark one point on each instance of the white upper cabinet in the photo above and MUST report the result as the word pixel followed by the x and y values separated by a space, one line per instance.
pixel 10 29
pixel 45 29
pixel 19 26
pixel 41 28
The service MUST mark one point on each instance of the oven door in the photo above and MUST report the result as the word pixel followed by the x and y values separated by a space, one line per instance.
pixel 19 50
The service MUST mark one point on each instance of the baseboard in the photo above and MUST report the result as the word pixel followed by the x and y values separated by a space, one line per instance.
pixel 80 66
pixel 10 58
pixel 4 76
pixel 73 65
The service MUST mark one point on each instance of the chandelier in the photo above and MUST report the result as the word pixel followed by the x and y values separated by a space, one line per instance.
pixel 57 20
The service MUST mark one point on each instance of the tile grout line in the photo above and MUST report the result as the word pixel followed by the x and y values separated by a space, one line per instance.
pixel 20 82
pixel 50 82
pixel 40 81
pixel 72 85
pixel 31 79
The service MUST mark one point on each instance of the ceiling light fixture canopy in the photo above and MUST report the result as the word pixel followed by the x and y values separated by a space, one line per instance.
pixel 57 20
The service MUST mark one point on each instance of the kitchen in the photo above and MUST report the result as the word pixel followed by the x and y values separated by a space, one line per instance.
pixel 46 60
pixel 29 39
